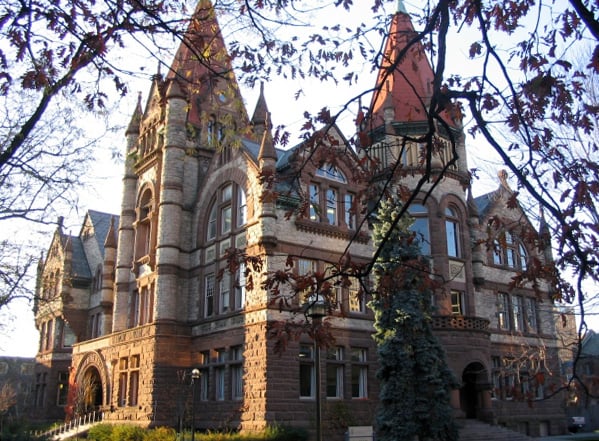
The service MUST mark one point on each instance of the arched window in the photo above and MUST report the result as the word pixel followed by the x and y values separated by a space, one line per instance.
pixel 228 210
pixel 420 226
pixel 452 233
pixel 329 199
pixel 143 233
pixel 211 227
pixel 509 251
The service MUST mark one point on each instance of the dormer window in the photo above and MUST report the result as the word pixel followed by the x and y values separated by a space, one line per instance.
pixel 329 200
pixel 509 251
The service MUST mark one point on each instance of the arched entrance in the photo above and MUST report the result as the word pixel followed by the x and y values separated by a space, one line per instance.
pixel 89 391
pixel 474 384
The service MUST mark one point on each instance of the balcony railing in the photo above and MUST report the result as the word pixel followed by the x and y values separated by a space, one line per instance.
pixel 461 322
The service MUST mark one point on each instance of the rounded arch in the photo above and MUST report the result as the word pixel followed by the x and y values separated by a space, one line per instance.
pixel 475 382
pixel 91 384
pixel 206 199
pixel 145 200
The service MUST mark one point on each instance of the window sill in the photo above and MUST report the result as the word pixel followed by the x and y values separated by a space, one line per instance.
pixel 330 230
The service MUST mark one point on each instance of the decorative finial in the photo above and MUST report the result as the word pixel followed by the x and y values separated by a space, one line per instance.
pixel 502 175
pixel 400 7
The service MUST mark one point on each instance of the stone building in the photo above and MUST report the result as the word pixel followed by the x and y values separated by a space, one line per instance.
pixel 201 178
pixel 16 388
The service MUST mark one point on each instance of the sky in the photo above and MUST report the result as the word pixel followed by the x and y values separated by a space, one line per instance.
pixel 18 336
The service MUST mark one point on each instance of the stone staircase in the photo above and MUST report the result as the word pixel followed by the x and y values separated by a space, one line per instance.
pixel 73 428
pixel 475 430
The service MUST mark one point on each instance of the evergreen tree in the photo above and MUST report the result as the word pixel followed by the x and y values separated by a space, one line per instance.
pixel 414 376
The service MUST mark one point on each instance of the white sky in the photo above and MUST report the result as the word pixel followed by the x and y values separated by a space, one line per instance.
pixel 18 336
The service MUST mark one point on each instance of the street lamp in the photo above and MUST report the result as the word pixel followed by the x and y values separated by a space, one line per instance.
pixel 195 375
pixel 316 309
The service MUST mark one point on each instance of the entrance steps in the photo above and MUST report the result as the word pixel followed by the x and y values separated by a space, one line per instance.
pixel 475 430
pixel 73 428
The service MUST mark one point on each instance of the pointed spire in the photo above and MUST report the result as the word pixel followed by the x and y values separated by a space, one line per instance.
pixel 133 127
pixel 409 78
pixel 174 90
pixel 203 67
pixel 267 147
pixel 261 113
pixel 110 241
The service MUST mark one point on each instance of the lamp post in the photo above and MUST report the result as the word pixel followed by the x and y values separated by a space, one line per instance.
pixel 195 375
pixel 316 309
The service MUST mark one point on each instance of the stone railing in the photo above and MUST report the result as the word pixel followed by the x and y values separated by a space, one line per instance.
pixel 461 322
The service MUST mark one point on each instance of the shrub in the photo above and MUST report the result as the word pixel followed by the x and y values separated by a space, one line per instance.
pixel 126 432
pixel 161 434
pixel 285 433
pixel 100 432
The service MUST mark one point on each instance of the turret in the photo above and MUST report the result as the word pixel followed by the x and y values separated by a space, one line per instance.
pixel 476 240
pixel 170 205
pixel 126 234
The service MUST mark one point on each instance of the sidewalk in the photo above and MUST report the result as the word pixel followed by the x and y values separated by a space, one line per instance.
pixel 584 436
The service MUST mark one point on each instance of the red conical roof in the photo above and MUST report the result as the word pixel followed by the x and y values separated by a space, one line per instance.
pixel 203 68
pixel 405 84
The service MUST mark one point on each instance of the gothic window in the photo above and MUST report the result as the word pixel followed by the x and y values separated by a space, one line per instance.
pixel 314 203
pixel 329 200
pixel 356 299
pixel 41 380
pixel 219 374
pixel 240 288
pixel 209 295
pixel 509 251
pixel 133 380
pixel 359 373
pixel 334 372
pixel 215 132
pixel 517 313
pixel 204 375
pixel 331 205
pixel 143 226
pixel 128 391
pixel 307 380
pixel 237 373
pixel 503 308
pixel 241 207
pixel 530 314
pixel 225 292
pixel 457 302
pixel 420 227
pixel 211 229
pixel 228 210
pixel 305 267
pixel 142 306
pixel 349 211
pixel 452 232
pixel 62 388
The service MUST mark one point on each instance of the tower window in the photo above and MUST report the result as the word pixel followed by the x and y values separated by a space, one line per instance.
pixel 229 209
pixel 420 227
